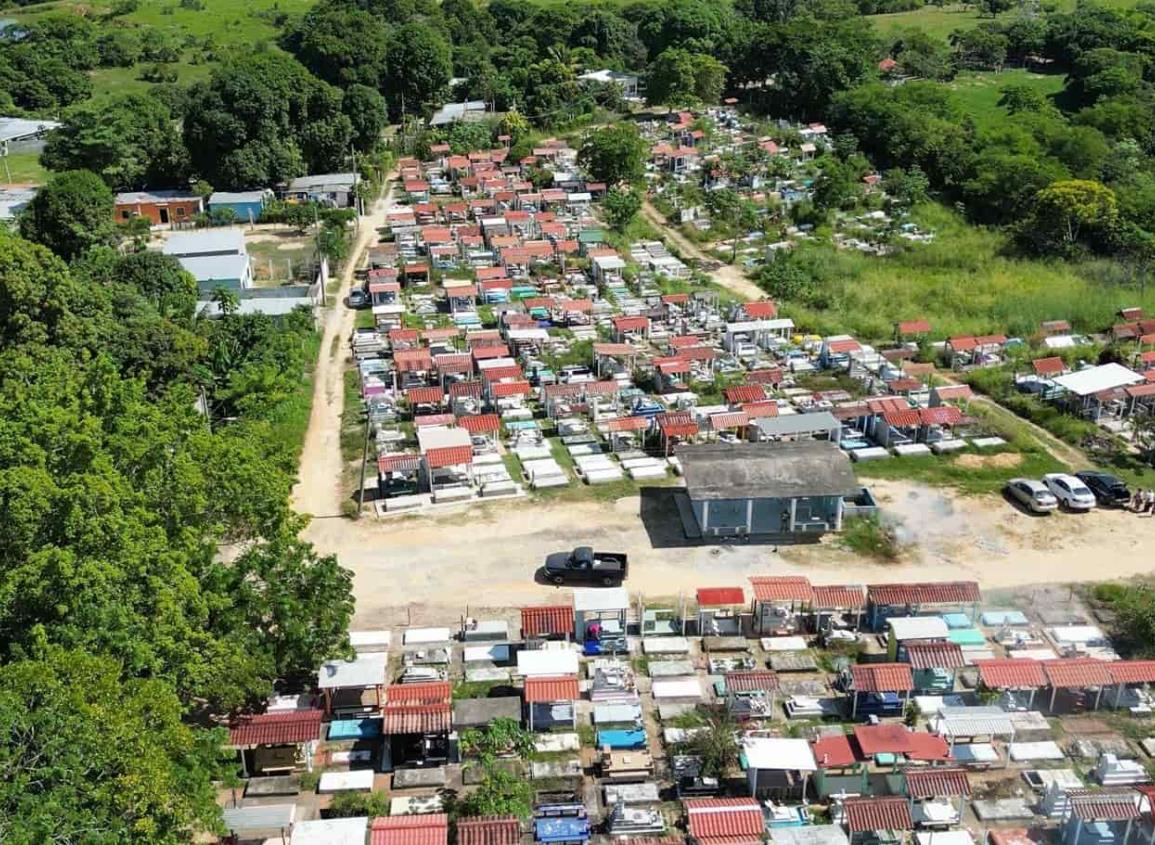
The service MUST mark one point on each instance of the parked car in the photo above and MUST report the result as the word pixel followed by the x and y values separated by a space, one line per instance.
pixel 1109 490
pixel 1032 495
pixel 1072 493
pixel 575 374
pixel 358 298
pixel 585 566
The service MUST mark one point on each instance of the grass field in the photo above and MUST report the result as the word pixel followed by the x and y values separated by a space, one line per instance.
pixel 979 93
pixel 963 283
pixel 23 167
pixel 943 20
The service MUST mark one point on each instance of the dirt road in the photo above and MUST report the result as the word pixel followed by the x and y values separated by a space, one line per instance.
pixel 727 276
pixel 486 556
pixel 318 490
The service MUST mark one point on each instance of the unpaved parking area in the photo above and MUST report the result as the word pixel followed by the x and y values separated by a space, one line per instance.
pixel 440 567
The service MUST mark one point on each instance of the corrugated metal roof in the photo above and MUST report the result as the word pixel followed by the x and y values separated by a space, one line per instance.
pixel 625 424
pixel 504 389
pixel 432 829
pixel 462 389
pixel 426 693
pixel 782 588
pixel 905 418
pixel 729 419
pixel 552 620
pixel 1076 672
pixel 398 463
pixel 551 688
pixel 837 597
pixel 407 718
pixel 276 728
pixel 935 656
pixel 1115 806
pixel 710 818
pixel 940 415
pixel 489 830
pixel 881 677
pixel 770 376
pixel 453 362
pixel 760 410
pixel 932 592
pixel 756 681
pixel 428 420
pixel 745 393
pixel 720 596
pixel 1010 673
pixel 448 456
pixel 677 424
pixel 761 310
pixel 866 814
pixel 936 783
pixel 836 751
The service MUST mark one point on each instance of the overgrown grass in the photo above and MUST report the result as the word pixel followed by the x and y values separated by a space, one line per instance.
pixel 23 167
pixel 290 419
pixel 352 419
pixel 943 20
pixel 964 283
pixel 979 93
pixel 966 477
pixel 870 537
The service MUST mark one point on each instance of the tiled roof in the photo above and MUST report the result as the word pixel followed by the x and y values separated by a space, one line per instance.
pixel 1010 673
pixel 424 693
pixel 480 423
pixel 935 656
pixel 1132 671
pixel 424 395
pixel 760 410
pixel 728 419
pixel 453 362
pixel 763 310
pixel 836 596
pixel 399 463
pixel 276 728
pixel 448 456
pixel 551 688
pixel 406 718
pixel 1048 366
pixel 553 620
pixel 410 830
pixel 866 814
pixel 744 393
pixel 881 677
pixel 1113 806
pixel 836 751
pixel 940 415
pixel 677 424
pixel 625 424
pixel 489 830
pixel 932 592
pixel 430 420
pixel 1076 672
pixel 711 818
pixel 460 389
pixel 720 596
pixel 503 389
pixel 782 588
pixel 769 375
pixel 756 681
pixel 936 783
pixel 905 418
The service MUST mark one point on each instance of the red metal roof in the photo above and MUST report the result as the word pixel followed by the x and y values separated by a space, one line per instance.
pixel 836 751
pixel 430 829
pixel 760 680
pixel 1113 806
pixel 489 830
pixel 762 310
pixel 934 656
pixel 480 423
pixel 448 456
pixel 782 588
pixel 709 819
pixel 677 424
pixel 730 419
pixel 760 410
pixel 882 677
pixel 460 389
pixel 551 688
pixel 927 747
pixel 721 596
pixel 866 814
pixel 933 592
pixel 954 391
pixel 453 362
pixel 744 393
pixel 276 728
pixel 611 350
pixel 510 388
pixel 406 718
pixel 552 620
pixel 398 463
pixel 936 783
pixel 625 424
pixel 963 343
pixel 510 371
pixel 631 324
pixel 765 376
pixel 412 360
pixel 1048 366
pixel 1132 671
pixel 1076 672
pixel 425 693
pixel 837 597
pixel 905 418
pixel 940 415
pixel 909 327
pixel 844 345
pixel 424 395
pixel 1009 673
pixel 430 420
pixel 883 739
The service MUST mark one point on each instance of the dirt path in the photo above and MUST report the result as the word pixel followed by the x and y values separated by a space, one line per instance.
pixel 727 276
pixel 318 490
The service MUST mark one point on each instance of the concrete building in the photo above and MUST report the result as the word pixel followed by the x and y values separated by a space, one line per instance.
pixel 246 205
pixel 338 190
pixel 215 257
pixel 162 208
pixel 778 489
pixel 628 82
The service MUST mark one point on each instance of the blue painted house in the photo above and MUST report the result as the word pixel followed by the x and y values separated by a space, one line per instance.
pixel 247 205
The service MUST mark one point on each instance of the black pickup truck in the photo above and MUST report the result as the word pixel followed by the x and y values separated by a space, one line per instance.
pixel 585 566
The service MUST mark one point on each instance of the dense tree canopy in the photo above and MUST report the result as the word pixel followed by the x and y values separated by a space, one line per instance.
pixel 614 154
pixel 70 214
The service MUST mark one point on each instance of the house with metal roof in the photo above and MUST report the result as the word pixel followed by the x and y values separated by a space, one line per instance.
pixel 724 821
pixel 276 742
pixel 787 490
pixel 418 829
pixel 938 796
pixel 778 768
pixel 337 190
pixel 551 702
pixel 417 721
pixel 912 599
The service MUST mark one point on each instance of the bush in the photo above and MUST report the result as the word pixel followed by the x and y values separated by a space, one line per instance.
pixel 869 537
pixel 351 804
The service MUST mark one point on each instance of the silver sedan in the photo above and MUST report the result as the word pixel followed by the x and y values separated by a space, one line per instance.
pixel 1032 495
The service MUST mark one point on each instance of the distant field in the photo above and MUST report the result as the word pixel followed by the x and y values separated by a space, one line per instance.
pixel 943 20
pixel 231 24
pixel 979 93
pixel 24 167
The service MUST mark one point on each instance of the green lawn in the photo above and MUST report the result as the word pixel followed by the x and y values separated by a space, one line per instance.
pixel 979 93
pixel 23 167
pixel 943 20
pixel 963 284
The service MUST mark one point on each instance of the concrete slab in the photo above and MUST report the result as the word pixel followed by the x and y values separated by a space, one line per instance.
pixel 1002 810
pixel 419 778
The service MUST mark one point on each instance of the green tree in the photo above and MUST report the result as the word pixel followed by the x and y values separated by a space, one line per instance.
pixel 131 141
pixel 70 213
pixel 994 8
pixel 366 110
pixel 89 758
pixel 1023 98
pixel 614 154
pixel 355 804
pixel 715 743
pixel 680 77
pixel 620 207
pixel 418 67
pixel 500 793
pixel 161 280
pixel 341 45
pixel 500 737
pixel 1071 215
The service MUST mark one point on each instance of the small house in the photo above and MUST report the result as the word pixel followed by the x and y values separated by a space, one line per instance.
pixel 244 206
pixel 777 601
pixel 160 208
pixel 879 819
pixel 276 742
pixel 886 600
pixel 551 702
pixel 1097 818
pixel 417 721
pixel 777 768
pixel 335 190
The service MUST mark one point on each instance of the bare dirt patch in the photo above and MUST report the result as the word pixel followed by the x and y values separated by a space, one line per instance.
pixel 1003 460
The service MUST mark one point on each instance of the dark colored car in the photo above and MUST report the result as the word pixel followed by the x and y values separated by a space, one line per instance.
pixel 585 566
pixel 1108 489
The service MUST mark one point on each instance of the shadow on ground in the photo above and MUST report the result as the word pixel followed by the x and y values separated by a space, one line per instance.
pixel 663 522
